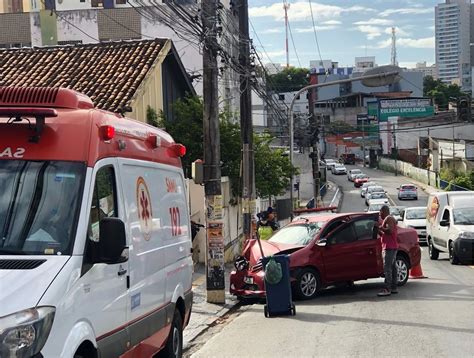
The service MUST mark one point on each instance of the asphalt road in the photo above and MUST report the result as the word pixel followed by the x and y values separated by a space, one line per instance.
pixel 354 202
pixel 432 317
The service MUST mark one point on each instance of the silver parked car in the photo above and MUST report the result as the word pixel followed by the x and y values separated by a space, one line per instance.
pixel 339 169
pixel 407 191
pixel 415 217
pixel 352 173
pixel 365 186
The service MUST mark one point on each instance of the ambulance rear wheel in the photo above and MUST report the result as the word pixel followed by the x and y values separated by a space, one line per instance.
pixel 174 345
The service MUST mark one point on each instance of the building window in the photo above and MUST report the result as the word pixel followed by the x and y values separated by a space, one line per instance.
pixel 281 97
pixel 97 3
pixel 120 2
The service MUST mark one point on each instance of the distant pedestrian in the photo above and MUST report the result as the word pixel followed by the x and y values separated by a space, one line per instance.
pixel 388 236
pixel 265 226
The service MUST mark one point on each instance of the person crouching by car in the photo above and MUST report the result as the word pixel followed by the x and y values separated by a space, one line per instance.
pixel 388 235
pixel 265 226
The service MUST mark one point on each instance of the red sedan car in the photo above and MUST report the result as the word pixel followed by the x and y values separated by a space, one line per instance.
pixel 324 250
pixel 360 179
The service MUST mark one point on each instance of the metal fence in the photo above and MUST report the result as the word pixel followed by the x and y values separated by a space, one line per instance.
pixel 448 186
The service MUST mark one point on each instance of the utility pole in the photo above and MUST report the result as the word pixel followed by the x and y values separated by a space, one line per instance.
pixel 215 269
pixel 286 6
pixel 395 152
pixel 314 126
pixel 363 140
pixel 246 125
pixel 454 164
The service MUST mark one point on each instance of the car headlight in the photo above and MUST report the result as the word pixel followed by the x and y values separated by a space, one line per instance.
pixel 241 263
pixel 24 333
pixel 466 235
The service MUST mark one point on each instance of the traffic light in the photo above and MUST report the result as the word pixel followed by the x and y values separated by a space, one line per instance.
pixel 464 109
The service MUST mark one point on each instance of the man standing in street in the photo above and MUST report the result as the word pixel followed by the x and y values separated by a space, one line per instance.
pixel 388 236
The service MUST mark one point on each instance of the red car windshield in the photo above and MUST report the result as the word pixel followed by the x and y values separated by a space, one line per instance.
pixel 299 234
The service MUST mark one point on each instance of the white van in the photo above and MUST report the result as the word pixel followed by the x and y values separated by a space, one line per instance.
pixel 450 225
pixel 95 248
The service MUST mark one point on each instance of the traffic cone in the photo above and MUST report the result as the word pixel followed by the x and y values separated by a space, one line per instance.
pixel 416 272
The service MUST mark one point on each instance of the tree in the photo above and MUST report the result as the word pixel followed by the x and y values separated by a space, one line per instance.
pixel 288 80
pixel 186 128
pixel 339 127
pixel 441 92
pixel 272 170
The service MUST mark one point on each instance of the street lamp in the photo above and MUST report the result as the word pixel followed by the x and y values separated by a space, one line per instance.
pixel 376 77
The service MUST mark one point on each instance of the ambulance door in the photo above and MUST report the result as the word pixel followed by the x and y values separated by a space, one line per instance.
pixel 105 284
pixel 145 207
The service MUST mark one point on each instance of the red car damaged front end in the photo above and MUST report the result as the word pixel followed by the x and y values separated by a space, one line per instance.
pixel 246 280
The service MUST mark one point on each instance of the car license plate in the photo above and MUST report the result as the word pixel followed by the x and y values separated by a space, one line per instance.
pixel 248 280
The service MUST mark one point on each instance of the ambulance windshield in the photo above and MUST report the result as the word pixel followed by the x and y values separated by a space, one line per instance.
pixel 39 206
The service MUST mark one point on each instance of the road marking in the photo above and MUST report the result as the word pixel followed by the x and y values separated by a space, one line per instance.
pixel 392 202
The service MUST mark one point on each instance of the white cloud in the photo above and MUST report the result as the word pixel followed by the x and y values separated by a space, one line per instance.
pixel 271 31
pixel 407 11
pixel 375 22
pixel 331 22
pixel 398 31
pixel 427 42
pixel 301 10
pixel 371 31
pixel 301 30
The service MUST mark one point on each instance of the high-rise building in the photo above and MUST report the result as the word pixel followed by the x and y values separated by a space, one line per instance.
pixel 453 32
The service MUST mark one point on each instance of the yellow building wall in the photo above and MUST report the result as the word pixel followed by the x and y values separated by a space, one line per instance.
pixel 26 5
pixel 150 92
pixel 2 6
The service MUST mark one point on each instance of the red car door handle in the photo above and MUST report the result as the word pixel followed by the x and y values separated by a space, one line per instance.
pixel 371 251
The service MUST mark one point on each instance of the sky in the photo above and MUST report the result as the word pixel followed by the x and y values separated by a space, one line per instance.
pixel 345 29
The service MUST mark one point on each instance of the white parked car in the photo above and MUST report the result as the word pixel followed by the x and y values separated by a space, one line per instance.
pixel 339 169
pixel 378 198
pixel 450 225
pixel 352 173
pixel 375 207
pixel 371 190
pixel 415 217
pixel 330 163
pixel 365 186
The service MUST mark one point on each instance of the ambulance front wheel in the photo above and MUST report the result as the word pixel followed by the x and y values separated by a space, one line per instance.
pixel 174 345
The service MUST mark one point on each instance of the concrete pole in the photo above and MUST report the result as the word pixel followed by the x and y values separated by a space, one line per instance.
pixel 215 269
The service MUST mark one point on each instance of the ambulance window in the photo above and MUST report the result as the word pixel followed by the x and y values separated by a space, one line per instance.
pixel 103 200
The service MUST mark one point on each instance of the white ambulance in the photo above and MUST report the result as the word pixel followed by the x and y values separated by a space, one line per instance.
pixel 95 245
pixel 450 225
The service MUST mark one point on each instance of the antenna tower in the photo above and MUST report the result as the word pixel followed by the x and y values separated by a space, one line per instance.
pixel 394 61
pixel 286 6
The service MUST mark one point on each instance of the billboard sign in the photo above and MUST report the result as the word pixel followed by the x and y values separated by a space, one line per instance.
pixel 405 108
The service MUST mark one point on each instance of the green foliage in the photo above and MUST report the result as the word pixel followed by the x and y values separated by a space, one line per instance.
pixel 272 168
pixel 463 179
pixel 186 129
pixel 339 127
pixel 440 92
pixel 290 79
pixel 152 116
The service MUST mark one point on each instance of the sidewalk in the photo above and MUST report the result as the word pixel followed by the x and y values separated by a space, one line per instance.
pixel 205 314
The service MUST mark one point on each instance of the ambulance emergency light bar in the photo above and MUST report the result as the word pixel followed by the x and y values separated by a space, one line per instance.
pixel 39 102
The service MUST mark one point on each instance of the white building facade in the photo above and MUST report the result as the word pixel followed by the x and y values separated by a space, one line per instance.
pixel 452 34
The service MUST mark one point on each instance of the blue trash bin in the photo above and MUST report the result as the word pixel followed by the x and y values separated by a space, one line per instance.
pixel 279 299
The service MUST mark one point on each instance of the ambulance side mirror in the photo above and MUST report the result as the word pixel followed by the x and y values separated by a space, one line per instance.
pixel 112 241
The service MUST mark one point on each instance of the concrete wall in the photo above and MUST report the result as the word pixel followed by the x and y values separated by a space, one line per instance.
pixel 232 219
pixel 406 169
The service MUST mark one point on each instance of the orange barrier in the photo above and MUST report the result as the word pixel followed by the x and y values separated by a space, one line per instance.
pixel 417 272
